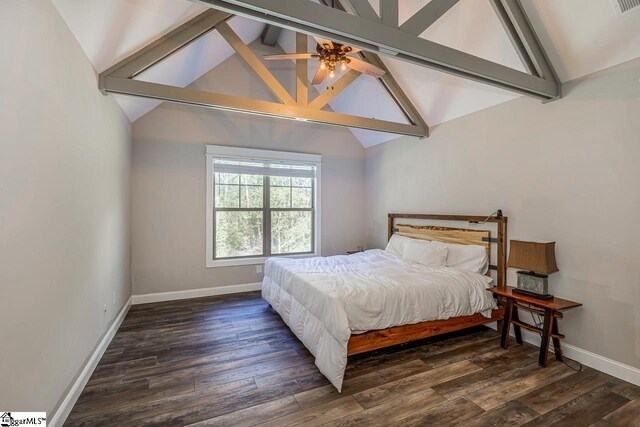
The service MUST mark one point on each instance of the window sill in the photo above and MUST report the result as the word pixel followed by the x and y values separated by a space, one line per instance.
pixel 252 261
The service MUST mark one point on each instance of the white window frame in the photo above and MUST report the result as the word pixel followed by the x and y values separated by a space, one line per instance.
pixel 215 151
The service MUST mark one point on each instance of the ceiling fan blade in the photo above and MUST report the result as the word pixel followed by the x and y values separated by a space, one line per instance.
pixel 321 74
pixel 291 56
pixel 365 67
pixel 324 42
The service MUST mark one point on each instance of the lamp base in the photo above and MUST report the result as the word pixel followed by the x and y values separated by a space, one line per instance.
pixel 533 282
pixel 544 297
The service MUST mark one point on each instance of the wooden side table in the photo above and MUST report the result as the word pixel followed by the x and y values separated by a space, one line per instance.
pixel 550 309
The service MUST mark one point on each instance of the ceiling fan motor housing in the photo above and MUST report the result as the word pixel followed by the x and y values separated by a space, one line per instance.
pixel 330 57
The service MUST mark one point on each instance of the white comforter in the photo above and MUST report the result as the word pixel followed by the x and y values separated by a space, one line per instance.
pixel 324 300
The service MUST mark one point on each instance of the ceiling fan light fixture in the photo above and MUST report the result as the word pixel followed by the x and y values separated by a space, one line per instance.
pixel 329 55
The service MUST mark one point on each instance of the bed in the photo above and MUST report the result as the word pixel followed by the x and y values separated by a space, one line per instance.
pixel 349 304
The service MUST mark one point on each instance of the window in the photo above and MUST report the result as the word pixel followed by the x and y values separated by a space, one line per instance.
pixel 261 203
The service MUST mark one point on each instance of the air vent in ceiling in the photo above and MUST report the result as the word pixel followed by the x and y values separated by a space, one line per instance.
pixel 624 7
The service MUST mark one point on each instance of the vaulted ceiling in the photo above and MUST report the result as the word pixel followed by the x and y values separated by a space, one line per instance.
pixel 580 37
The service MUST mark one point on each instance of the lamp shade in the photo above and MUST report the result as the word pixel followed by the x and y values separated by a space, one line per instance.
pixel 533 256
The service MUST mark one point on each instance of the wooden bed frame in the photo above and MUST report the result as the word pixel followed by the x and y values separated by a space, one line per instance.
pixel 373 340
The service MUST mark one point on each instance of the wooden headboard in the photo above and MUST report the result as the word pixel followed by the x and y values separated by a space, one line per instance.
pixel 461 236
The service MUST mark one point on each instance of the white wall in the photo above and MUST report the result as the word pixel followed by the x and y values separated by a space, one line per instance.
pixel 567 171
pixel 168 180
pixel 65 154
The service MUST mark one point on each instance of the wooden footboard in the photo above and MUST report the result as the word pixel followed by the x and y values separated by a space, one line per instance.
pixel 374 340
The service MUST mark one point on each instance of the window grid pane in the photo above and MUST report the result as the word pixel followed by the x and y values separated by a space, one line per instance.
pixel 301 197
pixel 238 233
pixel 248 225
pixel 291 232
pixel 227 196
pixel 280 197
pixel 251 196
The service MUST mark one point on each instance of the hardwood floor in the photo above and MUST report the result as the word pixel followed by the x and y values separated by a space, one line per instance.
pixel 232 361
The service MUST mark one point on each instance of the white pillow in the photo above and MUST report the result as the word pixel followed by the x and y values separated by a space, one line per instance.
pixel 426 253
pixel 467 257
pixel 397 244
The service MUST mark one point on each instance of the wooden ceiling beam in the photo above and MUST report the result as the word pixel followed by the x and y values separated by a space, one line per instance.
pixel 224 102
pixel 392 87
pixel 426 16
pixel 335 89
pixel 357 7
pixel 120 79
pixel 255 63
pixel 317 19
pixel 389 12
pixel 270 34
pixel 302 70
pixel 167 45
pixel 524 39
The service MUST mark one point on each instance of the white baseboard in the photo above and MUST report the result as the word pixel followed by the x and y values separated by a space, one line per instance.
pixel 588 358
pixel 62 412
pixel 595 361
pixel 195 293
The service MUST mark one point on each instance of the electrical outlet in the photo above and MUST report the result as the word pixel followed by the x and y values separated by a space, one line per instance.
pixel 114 298
pixel 258 269
pixel 105 308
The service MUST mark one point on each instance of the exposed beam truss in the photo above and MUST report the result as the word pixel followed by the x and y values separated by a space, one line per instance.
pixel 167 45
pixel 334 90
pixel 364 31
pixel 120 79
pixel 256 65
pixel 252 106
pixel 364 8
pixel 426 16
pixel 357 7
pixel 389 12
pixel 302 78
pixel 270 35
pixel 394 90
pixel 524 39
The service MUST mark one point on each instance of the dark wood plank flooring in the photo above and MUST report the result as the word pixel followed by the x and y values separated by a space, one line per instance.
pixel 232 361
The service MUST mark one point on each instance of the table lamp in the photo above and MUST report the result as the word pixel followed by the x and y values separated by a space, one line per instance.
pixel 536 260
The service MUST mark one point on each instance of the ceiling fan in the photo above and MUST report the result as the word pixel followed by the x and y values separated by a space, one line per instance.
pixel 329 55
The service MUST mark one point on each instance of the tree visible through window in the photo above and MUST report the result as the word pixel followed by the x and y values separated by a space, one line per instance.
pixel 262 208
